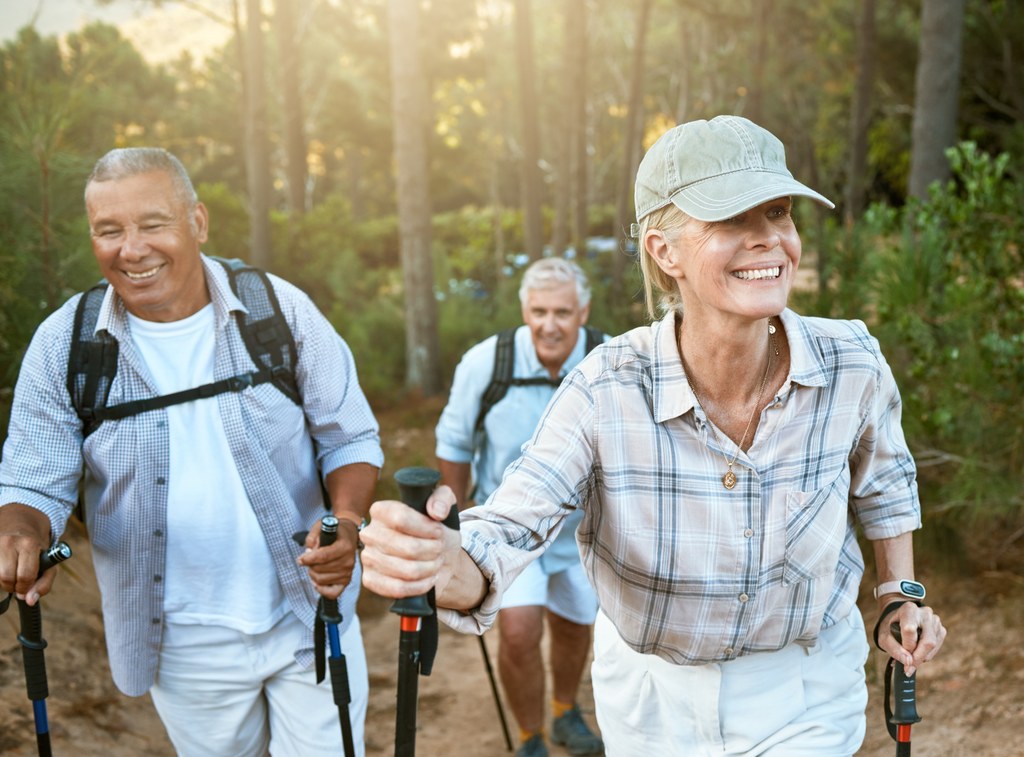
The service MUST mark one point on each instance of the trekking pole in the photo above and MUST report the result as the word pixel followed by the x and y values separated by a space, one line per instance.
pixel 329 616
pixel 903 713
pixel 417 642
pixel 494 691
pixel 32 646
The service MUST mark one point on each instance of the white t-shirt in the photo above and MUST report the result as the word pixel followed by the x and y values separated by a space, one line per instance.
pixel 219 568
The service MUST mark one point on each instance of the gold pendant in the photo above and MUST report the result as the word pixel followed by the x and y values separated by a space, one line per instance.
pixel 729 479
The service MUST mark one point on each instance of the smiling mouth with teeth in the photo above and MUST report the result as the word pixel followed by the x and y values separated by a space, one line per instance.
pixel 760 273
pixel 143 275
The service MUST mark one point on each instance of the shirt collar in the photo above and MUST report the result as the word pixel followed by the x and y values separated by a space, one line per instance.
pixel 533 362
pixel 672 395
pixel 806 362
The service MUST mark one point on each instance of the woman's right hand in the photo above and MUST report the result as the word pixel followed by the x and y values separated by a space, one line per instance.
pixel 404 551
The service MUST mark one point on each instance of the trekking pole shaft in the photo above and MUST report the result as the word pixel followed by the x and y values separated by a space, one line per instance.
pixel 494 691
pixel 408 686
pixel 414 485
pixel 32 646
pixel 338 667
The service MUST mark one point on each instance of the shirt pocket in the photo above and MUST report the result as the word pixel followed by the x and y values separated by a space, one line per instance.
pixel 815 528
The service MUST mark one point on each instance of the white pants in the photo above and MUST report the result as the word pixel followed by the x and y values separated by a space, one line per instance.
pixel 567 593
pixel 795 702
pixel 221 693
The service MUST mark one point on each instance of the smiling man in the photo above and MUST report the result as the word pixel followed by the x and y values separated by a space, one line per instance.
pixel 480 432
pixel 191 505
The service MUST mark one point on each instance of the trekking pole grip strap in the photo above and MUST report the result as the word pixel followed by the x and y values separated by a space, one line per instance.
pixel 885 613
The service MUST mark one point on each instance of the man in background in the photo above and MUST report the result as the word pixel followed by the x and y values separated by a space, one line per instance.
pixel 476 441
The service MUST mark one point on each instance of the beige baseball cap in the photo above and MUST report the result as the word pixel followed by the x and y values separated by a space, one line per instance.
pixel 717 169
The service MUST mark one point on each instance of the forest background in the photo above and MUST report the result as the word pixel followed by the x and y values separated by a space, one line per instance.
pixel 402 160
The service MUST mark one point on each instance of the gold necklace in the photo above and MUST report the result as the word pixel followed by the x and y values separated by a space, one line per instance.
pixel 729 479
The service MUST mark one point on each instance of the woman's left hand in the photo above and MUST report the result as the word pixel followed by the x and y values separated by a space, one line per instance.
pixel 921 635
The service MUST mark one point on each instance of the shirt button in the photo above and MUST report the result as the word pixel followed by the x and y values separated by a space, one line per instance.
pixel 161 481
pixel 728 651
pixel 744 597
pixel 155 621
pixel 158 578
pixel 748 532
pixel 158 533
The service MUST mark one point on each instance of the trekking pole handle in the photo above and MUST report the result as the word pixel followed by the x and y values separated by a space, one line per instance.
pixel 415 485
pixel 904 711
pixel 328 530
pixel 59 552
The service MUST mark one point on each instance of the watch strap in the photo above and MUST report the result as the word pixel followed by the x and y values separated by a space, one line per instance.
pixel 897 587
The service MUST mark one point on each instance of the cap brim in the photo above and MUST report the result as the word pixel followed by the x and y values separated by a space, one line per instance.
pixel 730 195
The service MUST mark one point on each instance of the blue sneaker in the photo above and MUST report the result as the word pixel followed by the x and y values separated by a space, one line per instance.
pixel 571 732
pixel 533 747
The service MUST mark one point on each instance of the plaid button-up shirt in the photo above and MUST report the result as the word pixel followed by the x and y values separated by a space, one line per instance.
pixel 277 447
pixel 686 569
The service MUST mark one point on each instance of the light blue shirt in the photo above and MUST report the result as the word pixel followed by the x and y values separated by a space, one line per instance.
pixel 510 423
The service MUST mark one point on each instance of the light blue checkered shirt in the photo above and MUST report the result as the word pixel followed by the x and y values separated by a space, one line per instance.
pixel 684 568
pixel 276 446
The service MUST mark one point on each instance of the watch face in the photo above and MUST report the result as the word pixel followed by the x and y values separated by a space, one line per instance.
pixel 912 589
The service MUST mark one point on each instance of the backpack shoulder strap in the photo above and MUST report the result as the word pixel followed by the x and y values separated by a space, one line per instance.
pixel 264 329
pixel 92 360
pixel 504 361
pixel 501 377
pixel 594 337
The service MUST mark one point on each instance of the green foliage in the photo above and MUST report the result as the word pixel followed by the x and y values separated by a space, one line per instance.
pixel 229 221
pixel 940 282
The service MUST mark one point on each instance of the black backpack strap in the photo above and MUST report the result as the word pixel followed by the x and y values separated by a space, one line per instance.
pixel 504 362
pixel 594 338
pixel 264 329
pixel 501 377
pixel 92 360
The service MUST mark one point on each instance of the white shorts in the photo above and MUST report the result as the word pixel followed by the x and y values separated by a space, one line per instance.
pixel 222 693
pixel 566 593
pixel 796 702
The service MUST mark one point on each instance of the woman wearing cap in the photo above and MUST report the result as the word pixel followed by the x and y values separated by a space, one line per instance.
pixel 723 457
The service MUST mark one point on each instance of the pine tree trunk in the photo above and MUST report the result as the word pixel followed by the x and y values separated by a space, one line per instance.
pixel 257 147
pixel 293 118
pixel 631 144
pixel 532 185
pixel 936 93
pixel 860 117
pixel 408 106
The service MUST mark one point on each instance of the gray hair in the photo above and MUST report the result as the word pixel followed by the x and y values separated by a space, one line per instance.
pixel 125 162
pixel 548 273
